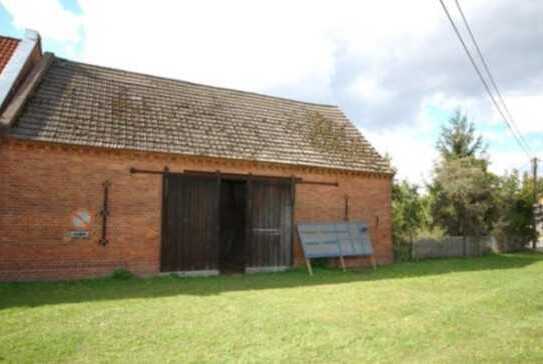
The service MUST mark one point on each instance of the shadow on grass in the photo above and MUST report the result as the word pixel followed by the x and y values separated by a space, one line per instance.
pixel 50 293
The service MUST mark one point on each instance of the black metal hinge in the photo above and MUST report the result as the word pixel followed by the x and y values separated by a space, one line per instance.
pixel 105 213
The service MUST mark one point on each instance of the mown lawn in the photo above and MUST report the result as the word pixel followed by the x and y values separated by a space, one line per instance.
pixel 457 310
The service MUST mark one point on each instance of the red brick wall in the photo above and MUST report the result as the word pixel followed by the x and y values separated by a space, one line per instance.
pixel 41 187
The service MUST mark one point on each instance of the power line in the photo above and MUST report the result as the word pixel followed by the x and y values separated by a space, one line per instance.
pixel 490 76
pixel 485 84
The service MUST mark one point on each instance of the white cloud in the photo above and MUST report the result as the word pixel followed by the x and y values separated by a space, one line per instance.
pixel 48 17
pixel 412 158
pixel 249 45
pixel 502 161
pixel 370 90
pixel 411 148
pixel 526 110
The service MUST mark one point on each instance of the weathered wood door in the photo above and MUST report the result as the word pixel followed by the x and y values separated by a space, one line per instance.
pixel 190 240
pixel 269 224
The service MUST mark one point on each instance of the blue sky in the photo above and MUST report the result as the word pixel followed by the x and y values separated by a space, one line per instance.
pixel 398 75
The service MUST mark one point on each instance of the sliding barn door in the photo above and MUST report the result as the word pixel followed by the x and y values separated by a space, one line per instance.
pixel 269 245
pixel 190 240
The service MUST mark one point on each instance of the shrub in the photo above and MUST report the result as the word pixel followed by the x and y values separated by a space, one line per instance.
pixel 402 250
pixel 121 274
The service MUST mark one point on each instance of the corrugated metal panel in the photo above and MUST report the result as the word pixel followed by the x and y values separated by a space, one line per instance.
pixel 324 240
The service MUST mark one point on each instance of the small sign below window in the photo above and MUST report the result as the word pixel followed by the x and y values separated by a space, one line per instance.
pixel 78 234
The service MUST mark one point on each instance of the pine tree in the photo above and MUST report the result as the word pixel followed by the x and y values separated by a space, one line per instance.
pixel 458 139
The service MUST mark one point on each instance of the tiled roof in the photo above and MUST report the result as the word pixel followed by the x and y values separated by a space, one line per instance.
pixel 7 47
pixel 89 105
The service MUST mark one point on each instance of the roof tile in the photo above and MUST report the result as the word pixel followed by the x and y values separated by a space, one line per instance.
pixel 7 47
pixel 89 105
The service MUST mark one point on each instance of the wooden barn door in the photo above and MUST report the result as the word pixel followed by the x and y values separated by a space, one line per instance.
pixel 269 225
pixel 190 240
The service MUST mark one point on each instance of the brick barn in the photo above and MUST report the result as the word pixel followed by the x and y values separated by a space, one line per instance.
pixel 104 169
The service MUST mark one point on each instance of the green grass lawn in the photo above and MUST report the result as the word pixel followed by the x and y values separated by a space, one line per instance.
pixel 488 309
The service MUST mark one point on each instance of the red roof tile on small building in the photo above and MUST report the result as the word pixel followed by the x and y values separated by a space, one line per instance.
pixel 7 47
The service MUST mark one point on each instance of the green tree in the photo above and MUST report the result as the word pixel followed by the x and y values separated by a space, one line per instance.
pixel 467 200
pixel 463 192
pixel 514 229
pixel 408 217
pixel 464 197
pixel 458 139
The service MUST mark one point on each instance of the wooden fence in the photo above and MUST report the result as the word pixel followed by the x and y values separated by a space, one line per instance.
pixel 452 246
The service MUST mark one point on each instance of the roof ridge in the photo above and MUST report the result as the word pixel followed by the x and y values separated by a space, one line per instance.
pixel 247 93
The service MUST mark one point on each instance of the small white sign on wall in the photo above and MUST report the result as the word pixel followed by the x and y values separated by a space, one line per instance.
pixel 81 219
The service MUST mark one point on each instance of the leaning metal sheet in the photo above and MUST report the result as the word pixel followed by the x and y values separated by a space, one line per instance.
pixel 335 239
pixel 318 240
